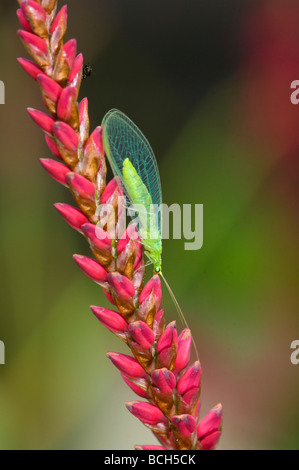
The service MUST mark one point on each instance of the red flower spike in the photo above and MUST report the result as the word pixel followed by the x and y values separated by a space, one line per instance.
pixel 73 216
pixel 57 170
pixel 111 319
pixel 127 365
pixel 136 389
pixel 36 47
pixel 185 423
pixel 142 334
pixel 190 378
pixel 146 412
pixel 164 379
pixel 43 120
pixel 183 350
pixel 70 51
pixel 158 369
pixel 23 21
pixel 210 423
pixel 91 268
pixel 52 146
pixel 30 67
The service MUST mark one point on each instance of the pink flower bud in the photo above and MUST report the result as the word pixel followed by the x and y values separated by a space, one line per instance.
pixel 142 334
pixel 183 350
pixel 52 146
pixel 32 9
pixel 83 120
pixel 23 21
pixel 185 423
pixel 210 423
pixel 36 47
pixel 152 289
pixel 49 87
pixel 190 378
pixel 97 236
pixel 210 442
pixel 81 186
pixel 122 285
pixel 91 268
pixel 146 412
pixel 111 189
pixel 36 17
pixel 73 216
pixel 66 135
pixel 136 389
pixel 30 67
pixel 126 364
pixel 66 103
pixel 76 72
pixel 58 29
pixel 168 337
pixel 57 170
pixel 70 51
pixel 164 379
pixel 111 319
pixel 43 120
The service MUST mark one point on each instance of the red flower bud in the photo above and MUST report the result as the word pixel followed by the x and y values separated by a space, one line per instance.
pixel 146 412
pixel 126 364
pixel 43 120
pixel 210 423
pixel 111 319
pixel 190 378
pixel 164 379
pixel 91 268
pixel 57 170
pixel 185 423
pixel 142 334
pixel 183 350
pixel 73 216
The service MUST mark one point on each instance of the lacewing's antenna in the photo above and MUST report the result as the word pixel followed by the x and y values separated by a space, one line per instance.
pixel 180 313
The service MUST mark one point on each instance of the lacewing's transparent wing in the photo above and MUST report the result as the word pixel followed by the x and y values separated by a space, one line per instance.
pixel 122 139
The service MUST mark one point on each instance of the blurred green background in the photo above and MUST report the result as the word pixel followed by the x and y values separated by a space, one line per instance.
pixel 208 82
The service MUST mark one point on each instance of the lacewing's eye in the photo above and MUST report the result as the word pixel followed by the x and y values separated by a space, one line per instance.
pixel 87 71
pixel 157 269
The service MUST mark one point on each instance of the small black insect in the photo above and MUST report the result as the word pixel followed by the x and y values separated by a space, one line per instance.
pixel 87 71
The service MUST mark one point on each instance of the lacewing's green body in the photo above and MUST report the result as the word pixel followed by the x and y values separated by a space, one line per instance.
pixel 132 159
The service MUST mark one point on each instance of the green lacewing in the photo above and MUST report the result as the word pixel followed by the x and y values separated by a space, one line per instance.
pixel 133 161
